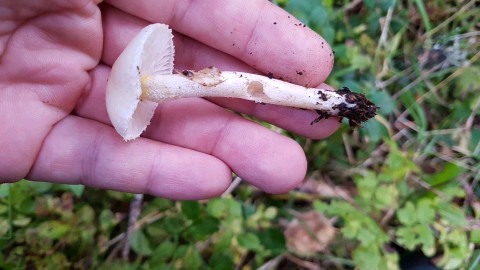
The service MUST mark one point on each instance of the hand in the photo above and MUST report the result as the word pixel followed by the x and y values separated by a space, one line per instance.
pixel 55 58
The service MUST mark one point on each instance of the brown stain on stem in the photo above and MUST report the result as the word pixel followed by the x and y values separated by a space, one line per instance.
pixel 208 77
pixel 255 89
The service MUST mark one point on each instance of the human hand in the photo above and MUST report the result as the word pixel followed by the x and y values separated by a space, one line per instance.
pixel 55 58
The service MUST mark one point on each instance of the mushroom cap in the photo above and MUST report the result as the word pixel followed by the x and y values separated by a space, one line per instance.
pixel 150 52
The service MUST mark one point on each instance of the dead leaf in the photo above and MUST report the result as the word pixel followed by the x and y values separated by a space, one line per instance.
pixel 315 184
pixel 308 233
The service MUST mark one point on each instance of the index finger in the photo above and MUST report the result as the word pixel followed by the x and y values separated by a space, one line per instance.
pixel 256 31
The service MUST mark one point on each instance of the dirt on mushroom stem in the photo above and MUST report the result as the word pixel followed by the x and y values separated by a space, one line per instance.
pixel 363 110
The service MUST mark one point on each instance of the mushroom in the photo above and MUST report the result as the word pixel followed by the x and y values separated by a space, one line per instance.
pixel 143 76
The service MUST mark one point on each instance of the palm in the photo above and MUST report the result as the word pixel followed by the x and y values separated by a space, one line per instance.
pixel 54 61
pixel 45 63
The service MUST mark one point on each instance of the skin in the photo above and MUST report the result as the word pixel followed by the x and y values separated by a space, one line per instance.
pixel 55 58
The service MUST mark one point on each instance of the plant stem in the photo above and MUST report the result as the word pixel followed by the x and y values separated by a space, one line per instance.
pixel 135 209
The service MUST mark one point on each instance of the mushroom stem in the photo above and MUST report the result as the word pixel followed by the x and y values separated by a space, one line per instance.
pixel 211 82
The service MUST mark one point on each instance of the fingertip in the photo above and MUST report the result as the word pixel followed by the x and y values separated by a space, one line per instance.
pixel 321 130
pixel 209 180
pixel 278 167
pixel 292 172
pixel 282 45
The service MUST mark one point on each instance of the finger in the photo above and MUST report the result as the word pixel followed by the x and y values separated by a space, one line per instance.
pixel 258 32
pixel 43 58
pixel 267 160
pixel 79 151
pixel 120 28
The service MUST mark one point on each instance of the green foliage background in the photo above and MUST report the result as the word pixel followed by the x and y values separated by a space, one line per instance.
pixel 413 170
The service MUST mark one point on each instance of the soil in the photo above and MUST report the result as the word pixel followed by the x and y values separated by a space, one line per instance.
pixel 364 109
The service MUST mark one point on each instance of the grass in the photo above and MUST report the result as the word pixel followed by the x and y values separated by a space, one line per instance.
pixel 408 179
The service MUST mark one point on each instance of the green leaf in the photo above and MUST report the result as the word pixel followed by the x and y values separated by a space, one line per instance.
pixel 407 215
pixel 270 213
pixel 407 237
pixel 56 261
pixel 162 253
pixel 39 187
pixel 452 190
pixel 119 196
pixel 53 229
pixel 222 261
pixel 318 17
pixel 386 196
pixel 370 4
pixel 474 263
pixel 320 206
pixel 4 209
pixel 180 252
pixel 193 259
pixel 361 61
pixel 10 265
pixel 216 208
pixel 221 207
pixel 374 130
pixel 86 214
pixel 140 243
pixel 77 190
pixel 385 99
pixel 366 237
pixel 475 236
pixel 351 229
pixel 390 261
pixel 450 171
pixel 468 78
pixel 452 214
pixel 161 204
pixel 424 15
pixel 272 239
pixel 224 241
pixel 187 257
pixel 4 228
pixel 191 209
pixel 300 9
pixel 474 141
pixel 249 241
pixel 249 210
pixel 203 228
pixel 425 211
pixel 106 220
pixel 367 257
pixel 427 239
pixel 395 160
pixel 21 221
pixel 4 190
pixel 173 224
pixel 452 263
pixel 366 185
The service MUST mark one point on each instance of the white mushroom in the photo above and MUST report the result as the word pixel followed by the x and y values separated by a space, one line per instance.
pixel 142 77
